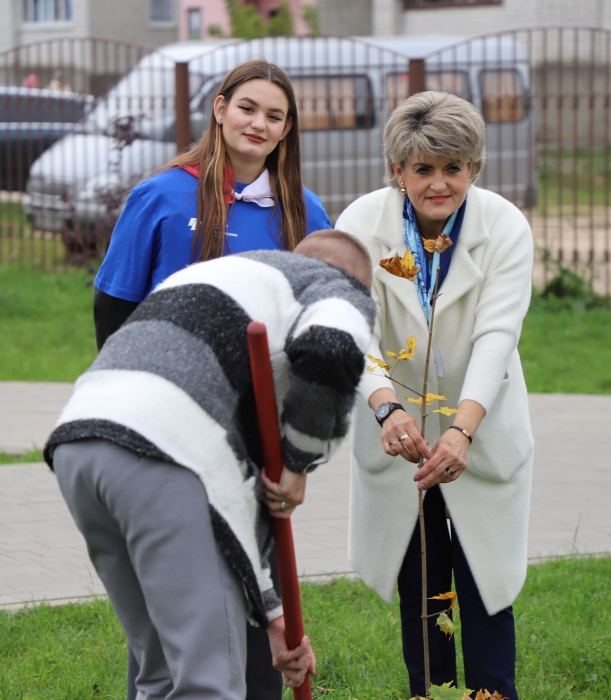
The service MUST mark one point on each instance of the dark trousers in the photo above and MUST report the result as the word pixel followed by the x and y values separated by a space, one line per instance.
pixel 488 641
pixel 263 682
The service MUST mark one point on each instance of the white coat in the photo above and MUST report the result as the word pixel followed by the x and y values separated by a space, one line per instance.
pixel 487 289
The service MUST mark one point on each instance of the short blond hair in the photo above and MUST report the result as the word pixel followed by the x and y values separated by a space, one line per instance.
pixel 434 124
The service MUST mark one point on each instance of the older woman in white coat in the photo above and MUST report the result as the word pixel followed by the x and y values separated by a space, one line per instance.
pixel 478 464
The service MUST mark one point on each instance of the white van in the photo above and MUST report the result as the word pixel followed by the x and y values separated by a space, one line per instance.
pixel 345 89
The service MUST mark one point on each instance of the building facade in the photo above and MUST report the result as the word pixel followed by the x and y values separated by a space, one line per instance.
pixel 456 17
pixel 150 23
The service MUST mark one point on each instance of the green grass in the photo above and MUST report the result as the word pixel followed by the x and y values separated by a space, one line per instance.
pixel 563 619
pixel 46 324
pixel 566 350
pixel 574 176
pixel 47 334
pixel 34 455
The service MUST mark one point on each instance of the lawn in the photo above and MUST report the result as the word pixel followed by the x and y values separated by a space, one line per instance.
pixel 77 652
pixel 46 324
pixel 47 334
pixel 566 350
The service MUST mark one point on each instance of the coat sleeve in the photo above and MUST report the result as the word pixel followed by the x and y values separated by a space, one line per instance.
pixel 358 220
pixel 326 353
pixel 500 311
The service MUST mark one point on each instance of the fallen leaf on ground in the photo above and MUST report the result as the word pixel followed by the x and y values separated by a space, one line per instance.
pixel 447 692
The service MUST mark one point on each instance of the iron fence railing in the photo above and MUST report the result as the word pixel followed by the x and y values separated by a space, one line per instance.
pixel 82 121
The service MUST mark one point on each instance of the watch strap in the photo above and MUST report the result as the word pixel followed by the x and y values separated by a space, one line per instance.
pixel 464 432
pixel 393 407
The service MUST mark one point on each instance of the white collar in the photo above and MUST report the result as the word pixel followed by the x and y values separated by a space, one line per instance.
pixel 258 191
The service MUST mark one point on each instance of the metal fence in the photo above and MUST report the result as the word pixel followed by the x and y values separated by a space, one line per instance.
pixel 95 117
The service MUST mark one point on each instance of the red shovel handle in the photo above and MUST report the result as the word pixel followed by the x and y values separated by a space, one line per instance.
pixel 267 414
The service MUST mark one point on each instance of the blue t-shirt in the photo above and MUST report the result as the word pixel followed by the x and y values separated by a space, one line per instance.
pixel 154 234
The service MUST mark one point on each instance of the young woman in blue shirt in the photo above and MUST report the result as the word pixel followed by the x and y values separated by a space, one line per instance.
pixel 239 188
pixel 242 179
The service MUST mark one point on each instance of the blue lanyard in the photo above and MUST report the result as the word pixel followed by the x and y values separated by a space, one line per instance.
pixel 427 274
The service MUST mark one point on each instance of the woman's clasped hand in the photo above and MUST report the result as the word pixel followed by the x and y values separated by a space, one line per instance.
pixel 444 463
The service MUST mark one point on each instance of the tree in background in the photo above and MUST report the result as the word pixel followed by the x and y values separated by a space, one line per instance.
pixel 311 18
pixel 247 23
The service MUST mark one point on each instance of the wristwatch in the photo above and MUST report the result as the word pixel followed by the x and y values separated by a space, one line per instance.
pixel 385 409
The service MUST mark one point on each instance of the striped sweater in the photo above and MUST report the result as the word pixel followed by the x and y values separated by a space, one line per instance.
pixel 174 383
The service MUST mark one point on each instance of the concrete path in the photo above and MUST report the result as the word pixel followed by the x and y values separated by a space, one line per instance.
pixel 42 555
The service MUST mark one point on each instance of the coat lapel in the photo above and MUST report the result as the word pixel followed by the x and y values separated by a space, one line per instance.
pixel 388 231
pixel 463 274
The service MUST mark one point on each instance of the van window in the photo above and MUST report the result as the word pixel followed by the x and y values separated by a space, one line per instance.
pixel 502 96
pixel 40 108
pixel 453 81
pixel 333 102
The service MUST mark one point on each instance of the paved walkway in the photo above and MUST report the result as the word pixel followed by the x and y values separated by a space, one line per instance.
pixel 42 555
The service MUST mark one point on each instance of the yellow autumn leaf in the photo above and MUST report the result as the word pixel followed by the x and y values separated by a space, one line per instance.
pixel 437 245
pixel 482 695
pixel 401 266
pixel 429 399
pixel 411 344
pixel 447 596
pixel 378 362
pixel 446 410
pixel 445 624
pixel 447 691
pixel 403 353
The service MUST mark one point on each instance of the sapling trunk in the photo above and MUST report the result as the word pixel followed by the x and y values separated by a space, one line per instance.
pixel 425 615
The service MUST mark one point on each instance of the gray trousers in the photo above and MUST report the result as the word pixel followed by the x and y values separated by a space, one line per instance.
pixel 149 536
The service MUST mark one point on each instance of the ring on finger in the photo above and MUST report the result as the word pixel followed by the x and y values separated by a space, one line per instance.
pixel 284 506
pixel 392 444
pixel 404 437
pixel 449 471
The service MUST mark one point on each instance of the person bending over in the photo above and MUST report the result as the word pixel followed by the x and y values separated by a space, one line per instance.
pixel 158 453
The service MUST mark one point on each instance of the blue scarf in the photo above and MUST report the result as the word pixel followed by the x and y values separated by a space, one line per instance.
pixel 427 274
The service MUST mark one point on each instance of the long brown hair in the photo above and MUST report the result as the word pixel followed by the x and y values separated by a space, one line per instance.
pixel 283 164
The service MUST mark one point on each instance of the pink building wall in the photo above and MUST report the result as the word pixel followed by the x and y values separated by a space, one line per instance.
pixel 215 12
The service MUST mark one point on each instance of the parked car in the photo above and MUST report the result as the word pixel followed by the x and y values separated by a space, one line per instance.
pixel 345 89
pixel 31 120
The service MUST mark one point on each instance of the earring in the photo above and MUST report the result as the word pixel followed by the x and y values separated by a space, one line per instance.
pixel 219 120
pixel 402 188
pixel 469 183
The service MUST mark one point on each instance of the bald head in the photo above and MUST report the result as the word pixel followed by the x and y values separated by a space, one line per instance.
pixel 340 249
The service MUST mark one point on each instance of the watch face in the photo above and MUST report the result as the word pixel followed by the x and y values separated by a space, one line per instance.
pixel 383 411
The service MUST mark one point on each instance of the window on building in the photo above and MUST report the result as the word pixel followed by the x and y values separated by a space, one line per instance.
pixel 162 10
pixel 455 82
pixel 433 4
pixel 194 22
pixel 503 98
pixel 334 102
pixel 47 10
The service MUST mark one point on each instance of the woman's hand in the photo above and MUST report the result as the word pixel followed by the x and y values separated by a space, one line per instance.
pixel 282 498
pixel 400 433
pixel 400 436
pixel 448 461
pixel 450 452
pixel 293 664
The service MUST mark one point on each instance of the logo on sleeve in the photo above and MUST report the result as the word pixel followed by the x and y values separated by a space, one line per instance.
pixel 192 224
